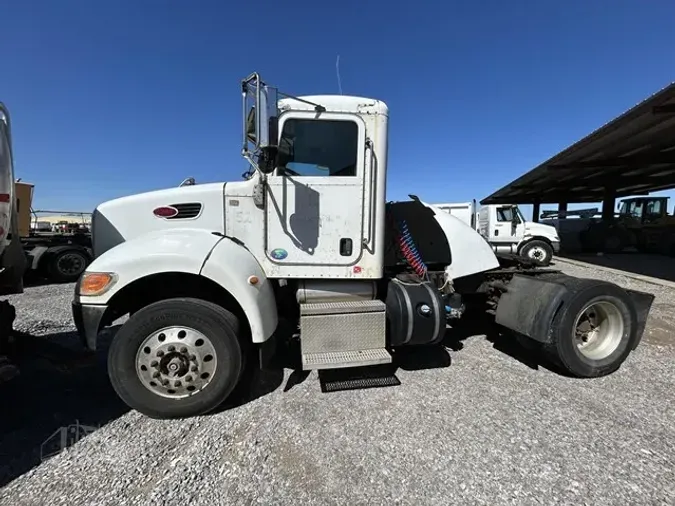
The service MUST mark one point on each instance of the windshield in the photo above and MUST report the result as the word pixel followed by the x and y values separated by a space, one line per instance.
pixel 631 208
pixel 509 214
pixel 520 215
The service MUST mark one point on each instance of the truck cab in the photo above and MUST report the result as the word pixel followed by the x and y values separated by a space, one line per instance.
pixel 639 211
pixel 505 228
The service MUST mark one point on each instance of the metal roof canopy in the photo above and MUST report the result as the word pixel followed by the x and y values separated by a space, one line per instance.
pixel 633 154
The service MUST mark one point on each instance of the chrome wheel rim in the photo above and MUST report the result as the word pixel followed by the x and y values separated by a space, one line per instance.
pixel 598 330
pixel 176 362
pixel 537 253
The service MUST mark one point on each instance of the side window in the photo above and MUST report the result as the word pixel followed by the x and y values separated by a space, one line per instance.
pixel 310 147
pixel 636 209
pixel 505 214
pixel 654 207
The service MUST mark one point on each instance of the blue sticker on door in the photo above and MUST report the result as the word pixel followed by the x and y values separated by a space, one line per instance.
pixel 279 253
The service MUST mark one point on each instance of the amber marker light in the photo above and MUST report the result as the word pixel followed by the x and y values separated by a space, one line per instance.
pixel 253 280
pixel 96 283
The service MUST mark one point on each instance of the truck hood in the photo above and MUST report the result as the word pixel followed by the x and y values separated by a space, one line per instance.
pixel 198 206
pixel 532 229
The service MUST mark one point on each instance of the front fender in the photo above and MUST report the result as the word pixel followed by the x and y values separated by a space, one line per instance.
pixel 471 253
pixel 231 266
pixel 177 250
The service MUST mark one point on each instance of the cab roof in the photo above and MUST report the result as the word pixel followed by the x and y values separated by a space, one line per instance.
pixel 336 103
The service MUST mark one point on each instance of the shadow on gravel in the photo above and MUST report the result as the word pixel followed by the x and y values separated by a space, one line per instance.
pixel 483 324
pixel 407 359
pixel 61 395
pixel 254 384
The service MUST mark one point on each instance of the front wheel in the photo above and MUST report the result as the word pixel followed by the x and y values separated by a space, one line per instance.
pixel 540 252
pixel 176 358
pixel 594 333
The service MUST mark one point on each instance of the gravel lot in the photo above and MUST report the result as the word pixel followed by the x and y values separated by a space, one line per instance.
pixel 474 425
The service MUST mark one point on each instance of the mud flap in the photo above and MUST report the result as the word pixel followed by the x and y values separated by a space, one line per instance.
pixel 530 305
pixel 643 304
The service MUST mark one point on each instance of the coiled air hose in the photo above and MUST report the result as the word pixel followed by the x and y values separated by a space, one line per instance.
pixel 409 250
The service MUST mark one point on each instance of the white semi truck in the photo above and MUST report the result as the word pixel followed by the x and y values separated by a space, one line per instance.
pixel 208 272
pixel 507 230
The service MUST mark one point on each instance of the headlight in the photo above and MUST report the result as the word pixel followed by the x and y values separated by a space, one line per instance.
pixel 96 283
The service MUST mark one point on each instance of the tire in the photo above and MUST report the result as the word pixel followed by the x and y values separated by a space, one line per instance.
pixel 610 305
pixel 67 266
pixel 540 252
pixel 216 327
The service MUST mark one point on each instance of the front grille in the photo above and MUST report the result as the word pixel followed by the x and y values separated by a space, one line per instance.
pixel 186 211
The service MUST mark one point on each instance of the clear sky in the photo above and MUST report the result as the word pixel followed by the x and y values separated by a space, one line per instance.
pixel 117 97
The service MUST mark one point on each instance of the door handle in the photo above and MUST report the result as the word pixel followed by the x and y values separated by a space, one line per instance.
pixel 346 247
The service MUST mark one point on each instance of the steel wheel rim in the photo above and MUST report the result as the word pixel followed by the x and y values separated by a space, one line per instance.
pixel 176 362
pixel 537 253
pixel 70 263
pixel 598 330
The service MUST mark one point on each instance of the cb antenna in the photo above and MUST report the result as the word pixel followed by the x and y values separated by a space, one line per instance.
pixel 337 72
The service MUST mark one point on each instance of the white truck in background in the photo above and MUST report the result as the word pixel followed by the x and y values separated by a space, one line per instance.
pixel 507 231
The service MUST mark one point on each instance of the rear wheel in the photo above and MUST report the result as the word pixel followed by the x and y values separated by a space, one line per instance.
pixel 538 251
pixel 592 335
pixel 176 358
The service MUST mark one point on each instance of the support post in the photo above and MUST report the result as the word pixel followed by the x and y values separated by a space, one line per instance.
pixel 608 205
pixel 562 210
pixel 535 212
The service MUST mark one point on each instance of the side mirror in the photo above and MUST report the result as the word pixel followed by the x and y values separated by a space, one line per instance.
pixel 261 121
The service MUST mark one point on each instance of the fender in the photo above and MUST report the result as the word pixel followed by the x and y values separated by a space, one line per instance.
pixel 198 252
pixel 177 250
pixel 529 238
pixel 231 265
pixel 471 253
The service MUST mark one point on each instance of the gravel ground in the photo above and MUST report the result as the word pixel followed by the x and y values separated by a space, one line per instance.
pixel 476 425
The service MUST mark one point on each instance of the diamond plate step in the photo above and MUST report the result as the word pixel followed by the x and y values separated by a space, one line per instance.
pixel 346 307
pixel 338 359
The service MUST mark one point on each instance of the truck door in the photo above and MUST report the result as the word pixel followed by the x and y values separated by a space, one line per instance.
pixel 504 228
pixel 315 197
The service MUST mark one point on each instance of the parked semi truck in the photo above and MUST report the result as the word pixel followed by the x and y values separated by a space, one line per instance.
pixel 505 228
pixel 58 255
pixel 207 273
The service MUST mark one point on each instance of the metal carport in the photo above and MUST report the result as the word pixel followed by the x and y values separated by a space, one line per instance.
pixel 634 154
